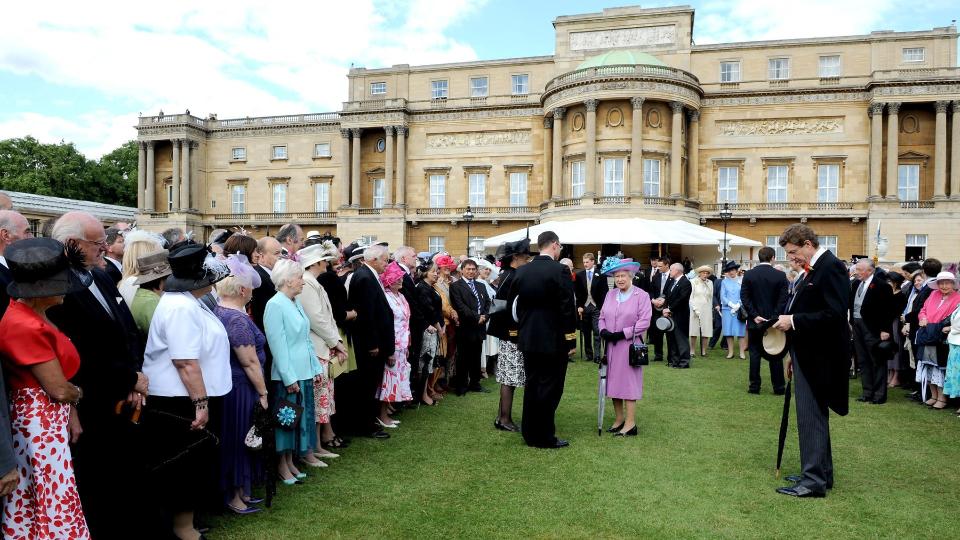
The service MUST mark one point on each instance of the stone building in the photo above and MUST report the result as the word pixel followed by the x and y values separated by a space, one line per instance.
pixel 628 118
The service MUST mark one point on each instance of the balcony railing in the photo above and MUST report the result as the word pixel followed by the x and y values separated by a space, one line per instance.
pixel 370 211
pixel 285 217
pixel 566 202
pixel 784 206
pixel 483 211
pixel 235 123
pixel 614 200
pixel 916 204
pixel 916 73
pixel 659 201
pixel 626 70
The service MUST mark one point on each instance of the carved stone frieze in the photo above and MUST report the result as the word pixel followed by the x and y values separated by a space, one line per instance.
pixel 623 37
pixel 380 118
pixel 780 126
pixel 917 90
pixel 478 138
pixel 782 99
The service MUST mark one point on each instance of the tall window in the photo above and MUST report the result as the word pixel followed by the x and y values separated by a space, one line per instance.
pixel 727 184
pixel 279 198
pixel 729 72
pixel 438 89
pixel 913 54
pixel 651 178
pixel 613 177
pixel 378 193
pixel 578 181
pixel 321 197
pixel 279 152
pixel 435 244
pixel 169 197
pixel 518 189
pixel 521 84
pixel 238 153
pixel 238 196
pixel 478 190
pixel 321 150
pixel 908 182
pixel 438 191
pixel 828 242
pixel 916 247
pixel 478 87
pixel 378 88
pixel 778 68
pixel 830 66
pixel 777 183
pixel 773 242
pixel 828 183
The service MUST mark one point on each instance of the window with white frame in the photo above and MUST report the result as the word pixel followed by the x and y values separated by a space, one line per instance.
pixel 279 152
pixel 435 244
pixel 729 72
pixel 479 87
pixel 321 150
pixel 778 68
pixel 727 184
pixel 518 189
pixel 279 198
pixel 520 84
pixel 438 190
pixel 916 247
pixel 475 246
pixel 651 178
pixel 321 197
pixel 238 199
pixel 368 239
pixel 828 183
pixel 238 153
pixel 828 242
pixel 169 197
pixel 613 177
pixel 830 65
pixel 477 197
pixel 378 88
pixel 908 182
pixel 438 89
pixel 378 192
pixel 578 180
pixel 913 54
pixel 773 242
pixel 777 183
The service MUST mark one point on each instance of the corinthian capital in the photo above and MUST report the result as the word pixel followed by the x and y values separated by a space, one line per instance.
pixel 893 108
pixel 402 131
pixel 941 106
pixel 356 132
pixel 345 133
pixel 591 104
pixel 388 130
pixel 694 116
pixel 559 112
pixel 956 106
pixel 876 109
pixel 547 122
pixel 677 107
pixel 637 102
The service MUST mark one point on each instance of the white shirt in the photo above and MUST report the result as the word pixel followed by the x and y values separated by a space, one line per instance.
pixel 183 328
pixel 3 261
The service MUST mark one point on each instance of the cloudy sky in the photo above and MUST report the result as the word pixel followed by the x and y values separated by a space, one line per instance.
pixel 82 72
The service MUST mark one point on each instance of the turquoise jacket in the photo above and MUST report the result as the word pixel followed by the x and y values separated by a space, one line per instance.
pixel 288 333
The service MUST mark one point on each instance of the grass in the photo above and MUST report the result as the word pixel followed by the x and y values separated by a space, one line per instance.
pixel 703 466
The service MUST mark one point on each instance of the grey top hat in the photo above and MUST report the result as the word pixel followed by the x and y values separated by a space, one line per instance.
pixel 153 265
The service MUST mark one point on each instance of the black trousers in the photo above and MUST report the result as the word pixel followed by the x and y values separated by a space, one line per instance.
pixel 757 353
pixel 345 388
pixel 655 338
pixel 467 374
pixel 590 332
pixel 873 374
pixel 717 329
pixel 678 345
pixel 369 379
pixel 813 429
pixel 541 397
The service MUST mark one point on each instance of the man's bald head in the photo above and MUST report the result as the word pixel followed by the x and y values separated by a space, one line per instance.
pixel 6 203
pixel 13 227
pixel 269 250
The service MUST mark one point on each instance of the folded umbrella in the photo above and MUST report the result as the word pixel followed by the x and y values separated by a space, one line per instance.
pixel 784 421
pixel 601 395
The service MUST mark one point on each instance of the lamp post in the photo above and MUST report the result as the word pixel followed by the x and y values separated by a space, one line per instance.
pixel 468 217
pixel 725 215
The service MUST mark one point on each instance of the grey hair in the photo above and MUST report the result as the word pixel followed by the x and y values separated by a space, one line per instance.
pixel 373 253
pixel 284 271
pixel 867 261
pixel 288 231
pixel 229 287
pixel 676 267
pixel 172 235
pixel 71 226
pixel 403 250
pixel 6 203
pixel 264 243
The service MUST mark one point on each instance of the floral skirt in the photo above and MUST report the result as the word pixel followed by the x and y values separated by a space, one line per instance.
pixel 510 370
pixel 396 380
pixel 323 404
pixel 951 383
pixel 45 503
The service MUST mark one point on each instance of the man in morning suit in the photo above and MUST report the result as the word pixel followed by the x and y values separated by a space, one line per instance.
pixel 659 277
pixel 764 296
pixel 871 318
pixel 544 308
pixel 590 288
pixel 13 227
pixel 818 338
pixel 469 299
pixel 105 454
pixel 373 342
pixel 676 305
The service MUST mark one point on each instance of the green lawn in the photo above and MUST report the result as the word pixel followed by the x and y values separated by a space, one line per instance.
pixel 703 466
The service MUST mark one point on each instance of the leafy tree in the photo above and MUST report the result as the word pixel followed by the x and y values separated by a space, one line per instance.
pixel 117 174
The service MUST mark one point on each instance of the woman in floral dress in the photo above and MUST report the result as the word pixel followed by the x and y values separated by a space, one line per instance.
pixel 396 375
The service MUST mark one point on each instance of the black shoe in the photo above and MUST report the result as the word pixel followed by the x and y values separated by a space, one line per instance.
pixel 460 392
pixel 380 434
pixel 505 427
pixel 631 433
pixel 800 492
pixel 779 392
pixel 795 478
pixel 878 401
pixel 479 389
pixel 658 359
pixel 615 429
pixel 753 391
pixel 683 366
pixel 863 399
pixel 557 443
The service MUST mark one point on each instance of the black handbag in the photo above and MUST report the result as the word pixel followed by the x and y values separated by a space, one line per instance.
pixel 287 414
pixel 638 355
pixel 742 314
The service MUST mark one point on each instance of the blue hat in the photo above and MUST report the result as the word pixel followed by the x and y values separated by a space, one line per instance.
pixel 612 265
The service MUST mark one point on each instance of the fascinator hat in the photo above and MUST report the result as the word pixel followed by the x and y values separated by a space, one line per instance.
pixel 612 265
pixel 194 267
pixel 391 274
pixel 243 271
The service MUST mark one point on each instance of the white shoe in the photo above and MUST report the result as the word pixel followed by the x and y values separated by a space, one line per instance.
pixel 317 464
pixel 388 426
pixel 328 455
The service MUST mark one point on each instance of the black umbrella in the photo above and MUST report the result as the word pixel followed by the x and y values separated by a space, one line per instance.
pixel 601 394
pixel 784 421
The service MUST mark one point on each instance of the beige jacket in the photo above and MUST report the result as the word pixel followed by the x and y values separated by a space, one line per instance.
pixel 316 304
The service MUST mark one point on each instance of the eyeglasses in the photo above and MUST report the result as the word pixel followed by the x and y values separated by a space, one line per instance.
pixel 102 244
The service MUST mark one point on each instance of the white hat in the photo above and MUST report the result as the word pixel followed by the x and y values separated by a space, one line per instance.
pixel 946 276
pixel 325 251
pixel 311 234
pixel 483 263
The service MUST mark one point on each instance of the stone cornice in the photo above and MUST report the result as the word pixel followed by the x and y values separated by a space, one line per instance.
pixel 272 131
pixel 482 114
pixel 784 98
pixel 624 89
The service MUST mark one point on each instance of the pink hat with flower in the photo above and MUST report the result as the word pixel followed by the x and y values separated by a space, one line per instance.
pixel 392 274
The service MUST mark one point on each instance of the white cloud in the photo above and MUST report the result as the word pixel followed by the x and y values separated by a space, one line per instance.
pixel 95 133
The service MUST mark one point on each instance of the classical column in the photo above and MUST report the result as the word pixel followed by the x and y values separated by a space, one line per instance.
pixel 175 165
pixel 401 166
pixel 590 188
pixel 693 156
pixel 893 140
pixel 636 148
pixel 557 170
pixel 940 152
pixel 343 188
pixel 547 157
pixel 388 170
pixel 355 169
pixel 185 184
pixel 142 173
pixel 676 151
pixel 151 179
pixel 955 152
pixel 876 151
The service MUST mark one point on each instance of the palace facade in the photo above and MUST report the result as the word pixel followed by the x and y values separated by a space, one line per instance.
pixel 629 118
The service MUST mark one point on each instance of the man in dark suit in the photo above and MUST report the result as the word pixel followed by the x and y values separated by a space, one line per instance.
pixel 102 329
pixel 13 227
pixel 819 342
pixel 590 288
pixel 114 255
pixel 764 296
pixel 469 299
pixel 270 252
pixel 871 318
pixel 373 342
pixel 676 305
pixel 543 304
pixel 659 277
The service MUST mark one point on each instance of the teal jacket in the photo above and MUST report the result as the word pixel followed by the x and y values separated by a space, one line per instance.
pixel 288 333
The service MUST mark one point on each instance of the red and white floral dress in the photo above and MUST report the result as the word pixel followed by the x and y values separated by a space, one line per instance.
pixel 45 503
pixel 396 379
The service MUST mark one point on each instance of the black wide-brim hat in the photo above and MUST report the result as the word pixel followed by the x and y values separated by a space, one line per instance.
pixel 508 249
pixel 193 267
pixel 42 267
pixel 731 265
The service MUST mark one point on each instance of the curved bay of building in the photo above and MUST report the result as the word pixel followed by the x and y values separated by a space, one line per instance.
pixel 628 119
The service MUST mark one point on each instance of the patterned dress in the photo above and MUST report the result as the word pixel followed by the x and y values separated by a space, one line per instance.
pixel 396 380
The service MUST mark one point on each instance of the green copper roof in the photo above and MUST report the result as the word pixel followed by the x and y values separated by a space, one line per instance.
pixel 621 57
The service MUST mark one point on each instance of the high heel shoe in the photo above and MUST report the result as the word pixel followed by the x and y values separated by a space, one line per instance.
pixel 290 481
pixel 301 476
pixel 615 429
pixel 386 425
pixel 631 433
pixel 317 464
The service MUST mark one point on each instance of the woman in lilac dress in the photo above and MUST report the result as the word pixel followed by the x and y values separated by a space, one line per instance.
pixel 623 320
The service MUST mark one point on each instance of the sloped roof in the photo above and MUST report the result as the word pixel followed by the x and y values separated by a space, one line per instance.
pixel 55 206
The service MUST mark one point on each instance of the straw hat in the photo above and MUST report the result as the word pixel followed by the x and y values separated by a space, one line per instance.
pixel 153 265
pixel 706 269
pixel 774 342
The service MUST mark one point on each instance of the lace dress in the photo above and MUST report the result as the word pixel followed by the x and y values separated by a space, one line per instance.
pixel 396 380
